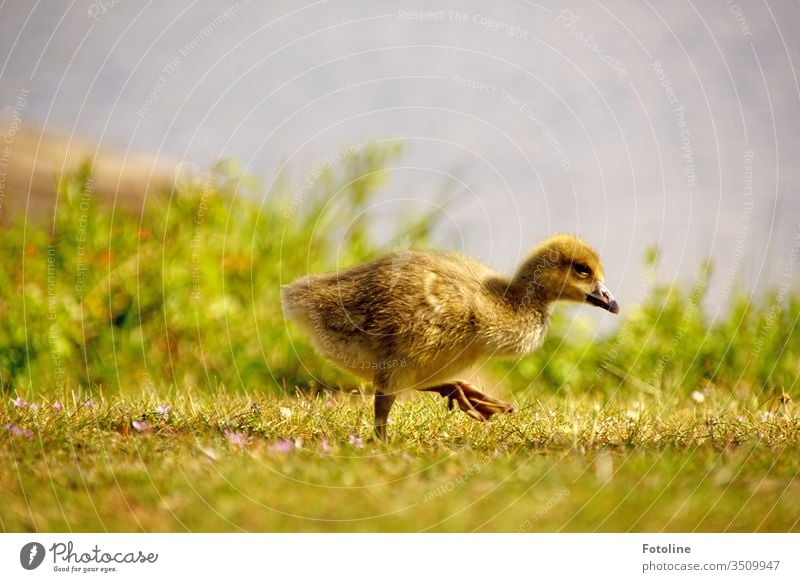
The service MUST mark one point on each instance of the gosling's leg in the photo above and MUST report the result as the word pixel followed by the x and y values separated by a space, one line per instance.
pixel 475 403
pixel 454 393
pixel 383 403
pixel 487 405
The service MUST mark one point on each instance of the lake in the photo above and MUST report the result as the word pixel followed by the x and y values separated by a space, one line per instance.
pixel 630 124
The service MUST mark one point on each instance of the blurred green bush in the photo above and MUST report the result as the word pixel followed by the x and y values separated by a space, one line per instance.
pixel 667 346
pixel 187 294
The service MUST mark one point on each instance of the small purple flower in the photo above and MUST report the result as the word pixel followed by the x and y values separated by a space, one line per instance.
pixel 357 442
pixel 323 444
pixel 35 407
pixel 329 403
pixel 163 410
pixel 89 403
pixel 18 431
pixel 58 406
pixel 141 426
pixel 238 438
pixel 282 446
pixel 19 402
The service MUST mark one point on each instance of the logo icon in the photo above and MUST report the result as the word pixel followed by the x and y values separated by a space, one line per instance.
pixel 31 555
pixel 401 256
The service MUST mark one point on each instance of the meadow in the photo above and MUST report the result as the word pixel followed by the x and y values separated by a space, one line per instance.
pixel 150 383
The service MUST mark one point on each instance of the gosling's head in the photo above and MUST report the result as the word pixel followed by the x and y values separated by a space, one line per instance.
pixel 564 267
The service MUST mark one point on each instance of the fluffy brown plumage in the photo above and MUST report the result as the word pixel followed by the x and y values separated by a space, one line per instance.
pixel 416 319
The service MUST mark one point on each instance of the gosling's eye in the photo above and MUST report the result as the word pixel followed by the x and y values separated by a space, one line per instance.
pixel 582 270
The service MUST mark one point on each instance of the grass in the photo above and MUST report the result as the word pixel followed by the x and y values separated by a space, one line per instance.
pixel 671 422
pixel 232 463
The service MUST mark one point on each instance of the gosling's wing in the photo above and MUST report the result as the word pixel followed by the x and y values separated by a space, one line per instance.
pixel 431 306
pixel 412 303
pixel 336 302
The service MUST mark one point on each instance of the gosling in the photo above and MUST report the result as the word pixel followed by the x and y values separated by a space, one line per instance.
pixel 416 319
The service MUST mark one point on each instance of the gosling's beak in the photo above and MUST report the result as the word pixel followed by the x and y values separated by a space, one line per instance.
pixel 602 297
